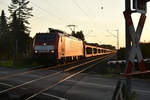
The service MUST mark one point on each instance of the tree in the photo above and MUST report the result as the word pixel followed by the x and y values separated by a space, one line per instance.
pixel 73 33
pixel 20 13
pixel 4 33
pixel 3 24
pixel 23 12
pixel 107 46
pixel 18 36
pixel 78 35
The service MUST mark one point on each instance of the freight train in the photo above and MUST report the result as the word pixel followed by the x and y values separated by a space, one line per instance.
pixel 57 46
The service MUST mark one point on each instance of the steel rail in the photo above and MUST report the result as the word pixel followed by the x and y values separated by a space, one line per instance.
pixel 66 78
pixel 49 95
pixel 35 70
pixel 9 89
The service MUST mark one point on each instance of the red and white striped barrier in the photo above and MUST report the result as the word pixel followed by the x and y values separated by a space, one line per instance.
pixel 117 62
pixel 124 61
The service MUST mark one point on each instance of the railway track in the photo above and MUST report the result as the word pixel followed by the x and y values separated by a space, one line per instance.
pixel 35 70
pixel 43 68
pixel 28 91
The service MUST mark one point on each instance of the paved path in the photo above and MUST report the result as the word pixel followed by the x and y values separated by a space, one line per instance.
pixel 82 87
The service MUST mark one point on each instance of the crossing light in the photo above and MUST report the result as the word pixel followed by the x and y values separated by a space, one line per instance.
pixel 140 5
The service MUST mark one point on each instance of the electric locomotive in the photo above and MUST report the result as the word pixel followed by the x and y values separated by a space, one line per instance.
pixel 57 46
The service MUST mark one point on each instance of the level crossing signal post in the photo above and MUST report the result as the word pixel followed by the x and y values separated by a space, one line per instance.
pixel 133 35
pixel 133 38
pixel 132 46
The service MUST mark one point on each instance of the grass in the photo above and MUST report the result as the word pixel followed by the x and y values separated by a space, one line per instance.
pixel 133 96
pixel 18 65
pixel 8 63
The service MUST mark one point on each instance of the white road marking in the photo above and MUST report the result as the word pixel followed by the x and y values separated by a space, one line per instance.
pixel 141 91
pixel 6 84
pixel 92 84
pixel 59 98
pixel 106 86
pixel 98 85
pixel 44 77
pixel 2 72
pixel 68 77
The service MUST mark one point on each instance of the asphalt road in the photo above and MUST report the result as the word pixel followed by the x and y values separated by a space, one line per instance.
pixel 85 86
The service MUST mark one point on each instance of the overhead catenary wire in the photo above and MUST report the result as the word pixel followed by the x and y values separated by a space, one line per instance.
pixel 57 17
pixel 52 5
pixel 78 6
pixel 48 12
pixel 111 34
pixel 82 10
pixel 100 2
pixel 60 18
pixel 3 4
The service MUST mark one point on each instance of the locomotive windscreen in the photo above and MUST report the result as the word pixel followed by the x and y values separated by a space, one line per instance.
pixel 45 37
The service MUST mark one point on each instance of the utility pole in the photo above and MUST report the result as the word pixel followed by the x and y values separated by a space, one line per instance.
pixel 15 51
pixel 117 38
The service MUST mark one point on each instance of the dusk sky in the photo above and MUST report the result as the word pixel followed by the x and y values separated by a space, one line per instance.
pixel 88 15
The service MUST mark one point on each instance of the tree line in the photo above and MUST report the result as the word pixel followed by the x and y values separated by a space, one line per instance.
pixel 15 37
pixel 145 48
pixel 79 35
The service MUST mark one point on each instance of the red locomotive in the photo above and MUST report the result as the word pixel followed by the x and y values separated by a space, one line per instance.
pixel 59 46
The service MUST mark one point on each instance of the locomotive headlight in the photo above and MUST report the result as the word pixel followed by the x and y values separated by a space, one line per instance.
pixel 36 51
pixel 52 51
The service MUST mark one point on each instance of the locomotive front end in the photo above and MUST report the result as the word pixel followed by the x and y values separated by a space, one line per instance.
pixel 44 46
